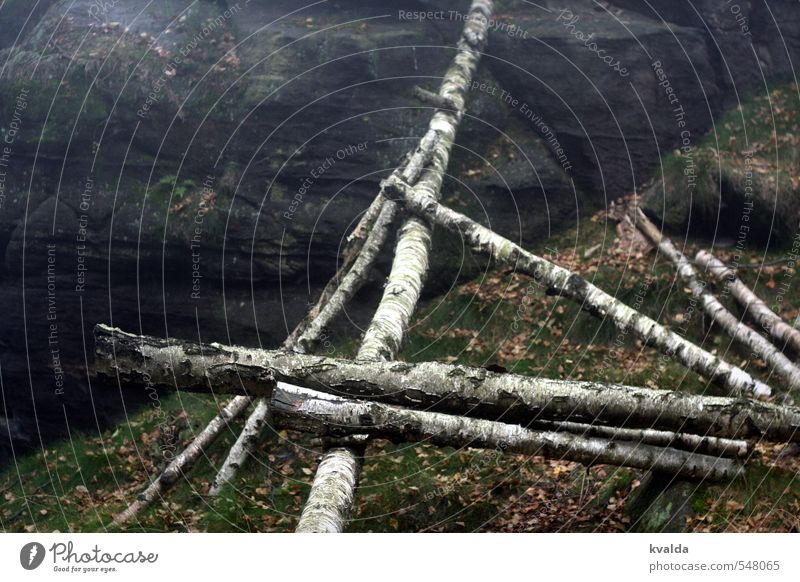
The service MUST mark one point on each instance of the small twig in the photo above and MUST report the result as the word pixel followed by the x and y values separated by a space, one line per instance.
pixel 434 99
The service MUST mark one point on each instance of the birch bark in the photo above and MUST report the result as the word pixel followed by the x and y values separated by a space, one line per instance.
pixel 743 334
pixel 597 302
pixel 707 445
pixel 366 243
pixel 384 335
pixel 183 462
pixel 324 415
pixel 458 390
pixel 781 332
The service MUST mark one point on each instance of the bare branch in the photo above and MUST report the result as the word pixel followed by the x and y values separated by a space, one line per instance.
pixel 597 302
pixel 746 336
pixel 782 333
pixel 308 411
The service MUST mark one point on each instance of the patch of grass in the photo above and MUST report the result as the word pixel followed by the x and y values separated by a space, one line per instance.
pixel 739 181
pixel 496 318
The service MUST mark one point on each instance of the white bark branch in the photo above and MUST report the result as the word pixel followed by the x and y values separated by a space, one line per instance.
pixel 182 463
pixel 243 447
pixel 743 334
pixel 458 390
pixel 334 489
pixel 781 332
pixel 707 445
pixel 366 243
pixel 590 298
pixel 384 336
pixel 324 415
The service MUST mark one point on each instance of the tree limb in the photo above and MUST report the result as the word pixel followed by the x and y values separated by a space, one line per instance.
pixel 447 388
pixel 183 463
pixel 743 334
pixel 324 415
pixel 707 445
pixel 781 332
pixel 558 280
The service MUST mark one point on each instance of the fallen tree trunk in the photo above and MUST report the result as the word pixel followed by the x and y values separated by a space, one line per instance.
pixel 461 390
pixel 183 462
pixel 360 268
pixel 366 242
pixel 330 416
pixel 384 335
pixel 334 488
pixel 241 449
pixel 743 334
pixel 593 300
pixel 707 445
pixel 781 332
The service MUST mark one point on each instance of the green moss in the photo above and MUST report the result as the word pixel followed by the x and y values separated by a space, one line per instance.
pixel 410 487
pixel 742 173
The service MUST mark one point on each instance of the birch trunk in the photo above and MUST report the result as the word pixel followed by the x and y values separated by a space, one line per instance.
pixel 333 491
pixel 325 415
pixel 743 334
pixel 781 332
pixel 597 302
pixel 242 448
pixel 356 241
pixel 366 242
pixel 446 388
pixel 321 316
pixel 707 445
pixel 181 464
pixel 385 333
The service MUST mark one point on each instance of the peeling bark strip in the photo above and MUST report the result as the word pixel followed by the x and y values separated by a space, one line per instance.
pixel 324 415
pixel 385 333
pixel 181 464
pixel 707 445
pixel 442 387
pixel 781 332
pixel 591 299
pixel 743 334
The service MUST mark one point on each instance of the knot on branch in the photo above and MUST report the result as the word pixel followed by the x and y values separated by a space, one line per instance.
pixel 436 100
pixel 395 189
pixel 475 30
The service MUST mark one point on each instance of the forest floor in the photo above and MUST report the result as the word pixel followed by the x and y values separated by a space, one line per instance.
pixel 497 319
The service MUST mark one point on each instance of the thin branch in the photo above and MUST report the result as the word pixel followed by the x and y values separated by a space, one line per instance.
pixel 781 332
pixel 743 334
pixel 556 279
pixel 308 411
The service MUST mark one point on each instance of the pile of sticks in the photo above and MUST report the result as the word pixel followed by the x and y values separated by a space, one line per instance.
pixel 351 402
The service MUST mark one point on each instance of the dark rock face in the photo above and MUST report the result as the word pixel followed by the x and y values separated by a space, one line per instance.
pixel 183 166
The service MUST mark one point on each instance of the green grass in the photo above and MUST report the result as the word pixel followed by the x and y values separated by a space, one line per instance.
pixel 750 155
pixel 495 318
pixel 81 483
